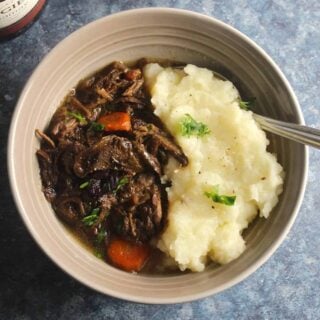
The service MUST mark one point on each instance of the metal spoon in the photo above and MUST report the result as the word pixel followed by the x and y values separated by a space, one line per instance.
pixel 291 131
pixel 296 132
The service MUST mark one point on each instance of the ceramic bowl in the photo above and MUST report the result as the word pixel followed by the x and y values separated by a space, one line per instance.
pixel 158 33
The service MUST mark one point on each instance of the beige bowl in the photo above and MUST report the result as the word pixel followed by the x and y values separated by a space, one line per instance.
pixel 159 33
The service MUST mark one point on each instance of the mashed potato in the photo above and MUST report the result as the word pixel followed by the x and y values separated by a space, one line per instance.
pixel 233 156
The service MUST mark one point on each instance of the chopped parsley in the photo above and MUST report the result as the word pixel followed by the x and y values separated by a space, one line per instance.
pixel 96 126
pixel 84 185
pixel 78 116
pixel 90 219
pixel 216 197
pixel 101 235
pixel 191 127
pixel 247 105
pixel 122 182
pixel 98 254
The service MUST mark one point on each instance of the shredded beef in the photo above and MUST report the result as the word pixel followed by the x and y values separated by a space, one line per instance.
pixel 107 183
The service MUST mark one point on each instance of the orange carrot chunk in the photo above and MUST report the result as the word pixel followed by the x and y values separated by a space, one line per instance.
pixel 116 121
pixel 127 255
pixel 133 74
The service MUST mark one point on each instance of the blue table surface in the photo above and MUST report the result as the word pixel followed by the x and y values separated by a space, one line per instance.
pixel 286 287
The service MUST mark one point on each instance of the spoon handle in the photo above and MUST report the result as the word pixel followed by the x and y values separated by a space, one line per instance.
pixel 292 131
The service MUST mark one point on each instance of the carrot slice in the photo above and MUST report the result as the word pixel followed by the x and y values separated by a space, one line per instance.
pixel 133 74
pixel 127 255
pixel 116 121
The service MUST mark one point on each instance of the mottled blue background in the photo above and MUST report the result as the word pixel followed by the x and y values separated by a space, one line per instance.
pixel 286 287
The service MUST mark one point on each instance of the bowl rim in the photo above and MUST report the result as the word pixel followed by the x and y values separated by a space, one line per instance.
pixel 82 279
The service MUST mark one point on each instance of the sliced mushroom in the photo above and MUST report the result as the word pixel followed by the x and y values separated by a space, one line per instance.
pixel 150 133
pixel 69 208
pixel 111 152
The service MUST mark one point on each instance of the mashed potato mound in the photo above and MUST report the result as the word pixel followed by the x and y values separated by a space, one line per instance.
pixel 233 156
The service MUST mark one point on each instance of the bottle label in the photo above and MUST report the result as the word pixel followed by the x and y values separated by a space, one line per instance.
pixel 12 11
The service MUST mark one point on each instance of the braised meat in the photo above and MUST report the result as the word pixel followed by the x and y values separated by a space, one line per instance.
pixel 139 213
pixel 111 152
pixel 102 156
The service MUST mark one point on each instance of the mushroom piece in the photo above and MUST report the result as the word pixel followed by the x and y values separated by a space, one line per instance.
pixel 111 152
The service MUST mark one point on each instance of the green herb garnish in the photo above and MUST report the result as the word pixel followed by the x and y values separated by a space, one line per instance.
pixel 96 126
pixel 90 219
pixel 122 182
pixel 98 254
pixel 95 211
pixel 84 185
pixel 78 116
pixel 190 127
pixel 101 235
pixel 216 197
pixel 247 105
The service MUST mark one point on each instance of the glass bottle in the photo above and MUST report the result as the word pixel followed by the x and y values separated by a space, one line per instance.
pixel 16 15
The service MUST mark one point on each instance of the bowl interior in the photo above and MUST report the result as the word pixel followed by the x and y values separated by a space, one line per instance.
pixel 165 34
